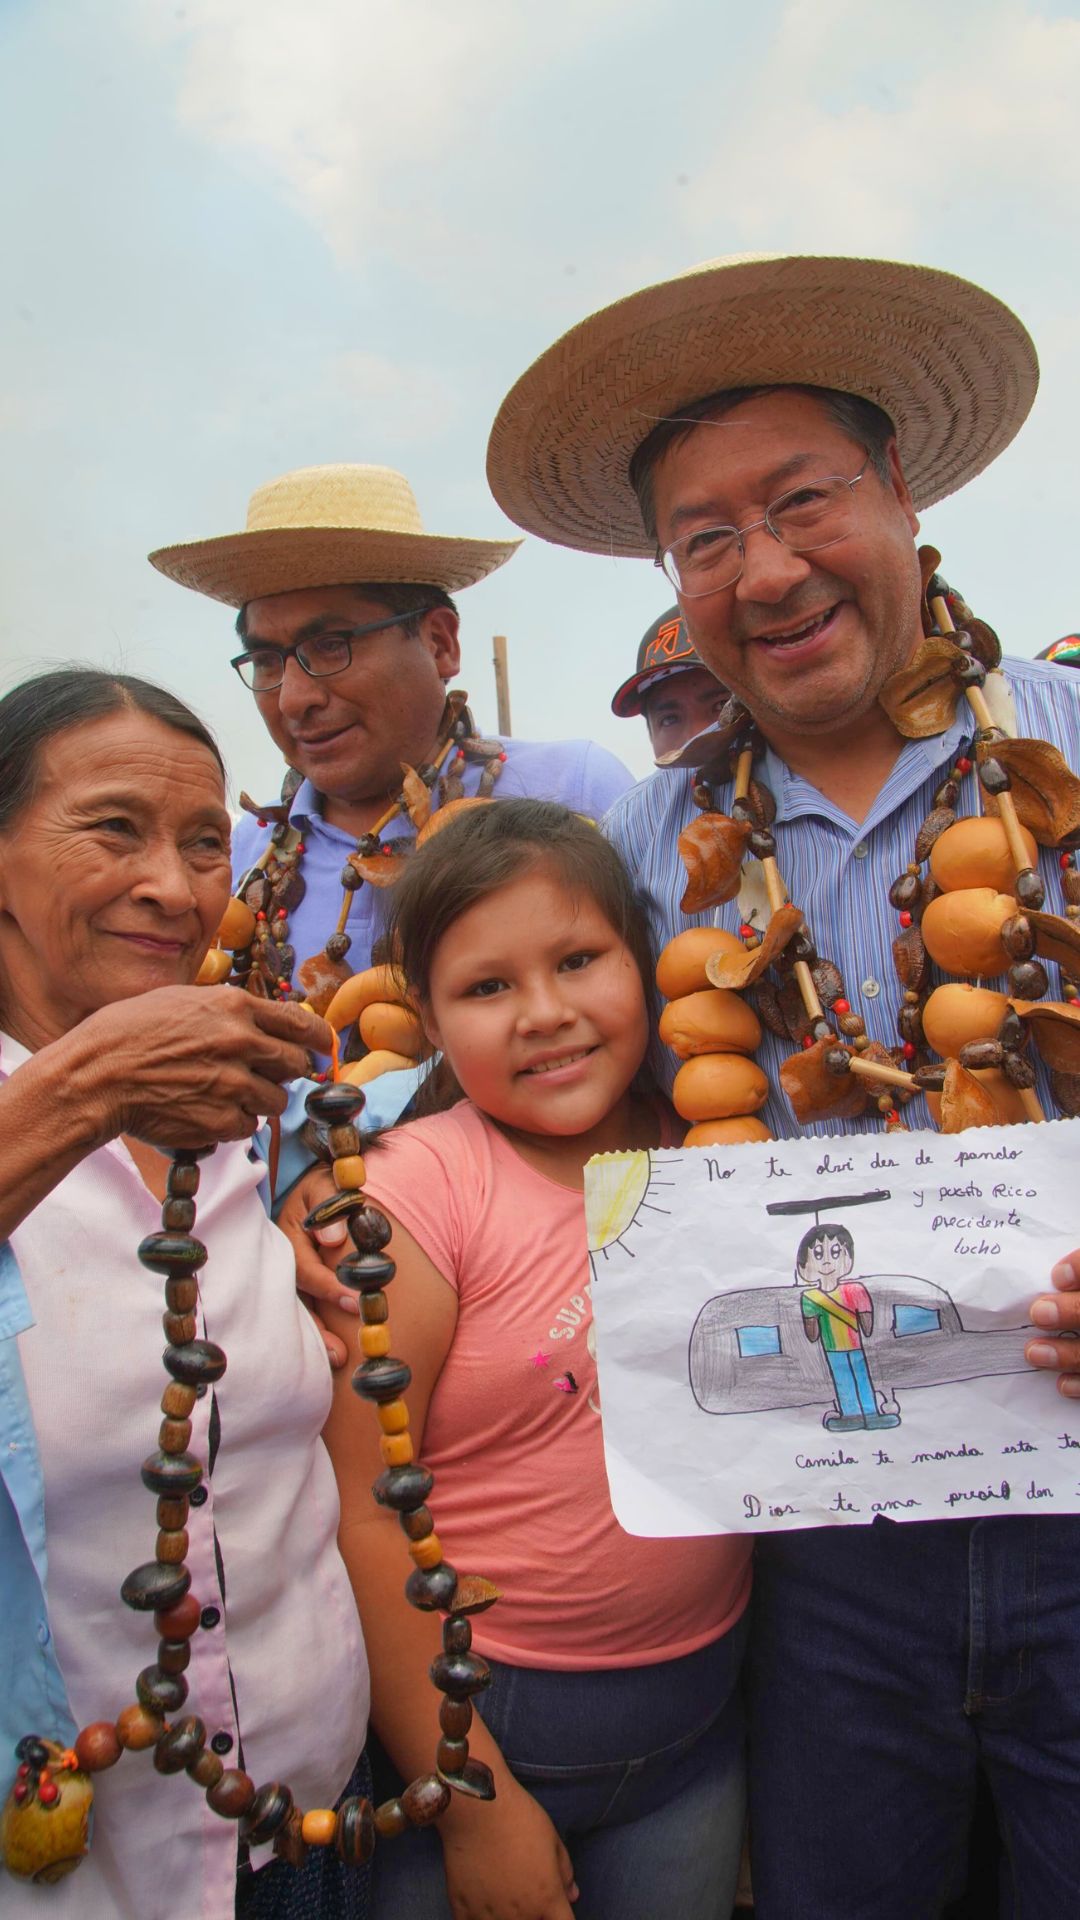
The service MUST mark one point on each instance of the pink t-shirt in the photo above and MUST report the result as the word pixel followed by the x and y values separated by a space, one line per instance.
pixel 513 1430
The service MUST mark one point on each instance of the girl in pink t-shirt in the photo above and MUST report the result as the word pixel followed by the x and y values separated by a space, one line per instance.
pixel 612 1723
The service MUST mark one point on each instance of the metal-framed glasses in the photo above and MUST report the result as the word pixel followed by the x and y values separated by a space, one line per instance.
pixel 813 515
pixel 263 668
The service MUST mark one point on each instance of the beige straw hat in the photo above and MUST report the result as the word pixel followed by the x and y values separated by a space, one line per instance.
pixel 329 527
pixel 952 367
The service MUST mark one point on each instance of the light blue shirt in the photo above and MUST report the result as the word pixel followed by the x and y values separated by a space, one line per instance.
pixel 838 871
pixel 32 1696
pixel 579 774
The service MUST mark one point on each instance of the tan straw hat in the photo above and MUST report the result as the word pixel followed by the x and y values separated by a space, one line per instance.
pixel 952 367
pixel 329 527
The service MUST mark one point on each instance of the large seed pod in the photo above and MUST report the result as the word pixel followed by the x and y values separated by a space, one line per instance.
pixel 728 970
pixel 934 824
pixel 965 1102
pixel 1045 791
pixel 767 1003
pixel 1056 939
pixel 920 700
pixel 1054 1026
pixel 1067 1093
pixel 828 982
pixel 797 1021
pixel 817 1094
pixel 712 849
pixel 910 960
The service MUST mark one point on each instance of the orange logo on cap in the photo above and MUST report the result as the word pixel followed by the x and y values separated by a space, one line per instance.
pixel 671 643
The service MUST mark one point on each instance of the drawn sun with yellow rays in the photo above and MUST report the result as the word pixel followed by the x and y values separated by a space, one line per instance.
pixel 619 1187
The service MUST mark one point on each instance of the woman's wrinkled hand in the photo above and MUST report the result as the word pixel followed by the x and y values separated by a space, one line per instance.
pixel 190 1066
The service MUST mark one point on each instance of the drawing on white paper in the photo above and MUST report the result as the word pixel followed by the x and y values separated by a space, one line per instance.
pixel 838 1337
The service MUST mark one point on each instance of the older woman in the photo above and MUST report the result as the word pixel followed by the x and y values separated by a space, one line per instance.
pixel 114 874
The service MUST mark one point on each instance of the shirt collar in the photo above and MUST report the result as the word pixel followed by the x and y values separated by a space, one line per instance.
pixel 917 762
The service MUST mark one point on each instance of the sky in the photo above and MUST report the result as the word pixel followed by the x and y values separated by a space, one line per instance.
pixel 243 236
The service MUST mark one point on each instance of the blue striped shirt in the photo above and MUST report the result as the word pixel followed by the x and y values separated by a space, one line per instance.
pixel 838 871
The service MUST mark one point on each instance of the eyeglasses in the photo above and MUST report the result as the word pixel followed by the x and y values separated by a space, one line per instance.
pixel 809 517
pixel 263 668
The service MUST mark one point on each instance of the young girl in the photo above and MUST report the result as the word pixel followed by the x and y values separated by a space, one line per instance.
pixel 612 1723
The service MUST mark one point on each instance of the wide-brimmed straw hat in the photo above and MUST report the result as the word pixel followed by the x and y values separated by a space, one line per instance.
pixel 665 648
pixel 952 367
pixel 329 527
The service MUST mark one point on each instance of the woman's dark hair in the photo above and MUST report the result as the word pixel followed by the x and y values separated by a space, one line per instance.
pixel 50 703
pixel 480 852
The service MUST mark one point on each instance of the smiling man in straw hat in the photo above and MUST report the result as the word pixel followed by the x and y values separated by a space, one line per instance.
pixel 766 431
pixel 349 640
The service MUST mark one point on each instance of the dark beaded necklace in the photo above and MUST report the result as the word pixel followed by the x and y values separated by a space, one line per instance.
pixel 162 1586
pixel 793 1003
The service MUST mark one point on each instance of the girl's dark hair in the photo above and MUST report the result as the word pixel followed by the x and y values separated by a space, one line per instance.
pixel 480 852
pixel 50 703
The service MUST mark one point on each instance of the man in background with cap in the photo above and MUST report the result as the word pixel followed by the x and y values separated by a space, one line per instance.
pixel 670 686
pixel 349 641
pixel 801 411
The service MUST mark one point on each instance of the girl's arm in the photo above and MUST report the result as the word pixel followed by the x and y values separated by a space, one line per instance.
pixel 503 1858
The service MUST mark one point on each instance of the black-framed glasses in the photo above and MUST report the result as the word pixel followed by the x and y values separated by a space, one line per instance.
pixel 807 518
pixel 263 668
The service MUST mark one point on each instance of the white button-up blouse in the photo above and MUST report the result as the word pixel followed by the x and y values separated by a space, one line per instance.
pixel 278 1672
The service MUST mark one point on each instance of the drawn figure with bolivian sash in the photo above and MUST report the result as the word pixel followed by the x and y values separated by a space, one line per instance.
pixel 838 1313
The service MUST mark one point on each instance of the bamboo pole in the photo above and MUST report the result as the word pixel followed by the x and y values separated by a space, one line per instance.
pixel 502 683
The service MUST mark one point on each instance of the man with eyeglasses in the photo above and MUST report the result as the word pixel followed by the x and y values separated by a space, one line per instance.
pixel 765 429
pixel 349 641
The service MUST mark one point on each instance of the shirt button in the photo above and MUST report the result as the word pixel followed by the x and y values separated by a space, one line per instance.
pixel 861 850
pixel 198 1497
pixel 209 1617
pixel 871 989
pixel 43 1634
pixel 222 1742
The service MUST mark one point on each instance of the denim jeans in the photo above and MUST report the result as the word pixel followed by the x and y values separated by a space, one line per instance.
pixel 640 1770
pixel 887 1665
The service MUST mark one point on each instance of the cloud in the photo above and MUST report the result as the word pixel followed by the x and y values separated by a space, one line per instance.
pixel 358 107
pixel 862 125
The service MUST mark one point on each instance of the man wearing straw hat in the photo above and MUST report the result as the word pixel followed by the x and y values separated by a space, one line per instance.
pixel 349 639
pixel 765 429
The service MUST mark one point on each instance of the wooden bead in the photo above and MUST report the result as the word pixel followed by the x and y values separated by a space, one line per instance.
pixel 289 1841
pixel 418 1524
pixel 183 1180
pixel 207 1770
pixel 455 1718
pixel 425 1800
pixel 173 1435
pixel 177 1401
pixel 179 1328
pixel 343 1141
pixel 393 1417
pixel 374 1341
pixel 268 1811
pixel 374 1309
pixel 319 1827
pixel 180 1745
pixel 396 1449
pixel 451 1755
pixel 161 1692
pixel 232 1795
pixel 355 1837
pixel 390 1819
pixel 171 1547
pixel 172 1513
pixel 181 1296
pixel 428 1552
pixel 178 1215
pixel 180 1621
pixel 98 1746
pixel 138 1728
pixel 349 1172
pixel 173 1656
pixel 457 1634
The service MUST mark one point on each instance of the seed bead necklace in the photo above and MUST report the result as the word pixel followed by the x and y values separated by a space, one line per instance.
pixel 55 1781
